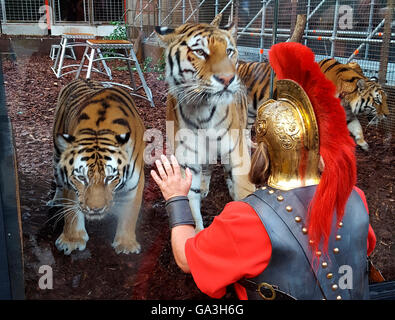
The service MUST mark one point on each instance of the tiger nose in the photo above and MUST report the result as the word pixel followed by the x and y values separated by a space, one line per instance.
pixel 97 210
pixel 226 80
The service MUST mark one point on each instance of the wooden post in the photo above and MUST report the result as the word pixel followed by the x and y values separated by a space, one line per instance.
pixel 300 25
pixel 294 6
pixel 386 43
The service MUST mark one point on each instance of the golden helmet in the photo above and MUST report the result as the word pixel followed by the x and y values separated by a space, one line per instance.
pixel 289 129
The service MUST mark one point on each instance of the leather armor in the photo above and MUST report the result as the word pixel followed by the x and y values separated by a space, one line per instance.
pixel 290 270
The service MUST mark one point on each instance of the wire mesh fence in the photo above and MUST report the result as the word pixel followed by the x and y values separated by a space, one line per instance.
pixel 21 10
pixel 105 11
pixel 64 11
pixel 361 31
pixel 355 33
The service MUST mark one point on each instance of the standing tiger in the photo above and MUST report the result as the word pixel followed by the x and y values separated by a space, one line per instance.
pixel 98 162
pixel 358 95
pixel 208 107
pixel 256 78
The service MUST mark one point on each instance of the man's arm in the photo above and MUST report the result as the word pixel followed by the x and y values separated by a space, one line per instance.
pixel 175 189
pixel 179 236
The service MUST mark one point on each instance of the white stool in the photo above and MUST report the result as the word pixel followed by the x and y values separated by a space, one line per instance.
pixel 55 51
pixel 65 43
pixel 94 54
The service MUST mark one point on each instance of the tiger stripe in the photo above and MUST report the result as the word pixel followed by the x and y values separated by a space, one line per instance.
pixel 256 78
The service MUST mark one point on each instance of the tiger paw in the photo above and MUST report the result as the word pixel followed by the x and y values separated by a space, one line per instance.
pixel 364 145
pixel 126 246
pixel 68 245
pixel 199 227
pixel 204 194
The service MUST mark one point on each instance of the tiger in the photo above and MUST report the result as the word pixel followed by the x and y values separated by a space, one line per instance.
pixel 256 78
pixel 206 98
pixel 98 163
pixel 358 95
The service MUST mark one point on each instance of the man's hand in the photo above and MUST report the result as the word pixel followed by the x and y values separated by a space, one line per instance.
pixel 170 181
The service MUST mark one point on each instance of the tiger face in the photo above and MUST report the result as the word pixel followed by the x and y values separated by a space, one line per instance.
pixel 95 172
pixel 201 64
pixel 359 93
pixel 369 98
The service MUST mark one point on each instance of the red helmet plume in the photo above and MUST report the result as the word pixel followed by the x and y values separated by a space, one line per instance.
pixel 295 61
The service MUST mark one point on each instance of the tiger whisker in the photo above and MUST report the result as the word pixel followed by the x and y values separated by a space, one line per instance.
pixel 60 214
pixel 62 199
pixel 187 96
pixel 62 202
pixel 193 96
pixel 65 215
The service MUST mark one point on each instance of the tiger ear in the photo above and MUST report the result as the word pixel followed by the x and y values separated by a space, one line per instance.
pixel 344 86
pixel 217 20
pixel 232 29
pixel 122 138
pixel 361 84
pixel 165 34
pixel 63 140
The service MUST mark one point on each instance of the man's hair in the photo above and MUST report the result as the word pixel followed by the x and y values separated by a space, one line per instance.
pixel 260 166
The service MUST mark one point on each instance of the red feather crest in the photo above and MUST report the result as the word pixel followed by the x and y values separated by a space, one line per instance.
pixel 295 61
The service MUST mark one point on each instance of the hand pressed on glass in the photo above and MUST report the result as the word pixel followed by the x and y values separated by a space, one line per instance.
pixel 170 180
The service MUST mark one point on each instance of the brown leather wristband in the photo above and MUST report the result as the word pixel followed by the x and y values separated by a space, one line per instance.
pixel 179 211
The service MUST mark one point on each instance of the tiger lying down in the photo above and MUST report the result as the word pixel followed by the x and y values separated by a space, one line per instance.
pixel 98 163
pixel 358 94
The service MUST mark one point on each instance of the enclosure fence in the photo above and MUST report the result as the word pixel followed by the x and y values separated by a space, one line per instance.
pixel 349 30
pixel 21 10
pixel 64 11
pixel 345 30
pixel 361 31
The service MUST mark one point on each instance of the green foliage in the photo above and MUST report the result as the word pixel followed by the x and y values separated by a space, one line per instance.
pixel 159 67
pixel 161 64
pixel 161 77
pixel 146 67
pixel 119 32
